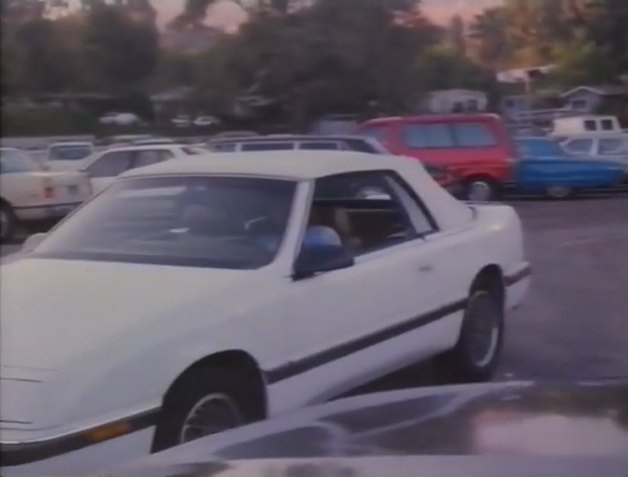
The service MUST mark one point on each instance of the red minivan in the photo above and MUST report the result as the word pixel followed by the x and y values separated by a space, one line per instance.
pixel 474 148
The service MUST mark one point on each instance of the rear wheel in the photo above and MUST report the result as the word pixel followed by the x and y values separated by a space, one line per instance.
pixel 476 355
pixel 559 192
pixel 8 223
pixel 480 190
pixel 206 401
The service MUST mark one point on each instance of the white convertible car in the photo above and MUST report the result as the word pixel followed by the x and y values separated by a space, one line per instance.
pixel 216 290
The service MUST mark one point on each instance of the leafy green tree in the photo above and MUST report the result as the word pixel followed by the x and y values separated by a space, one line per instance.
pixel 119 49
pixel 489 38
pixel 582 63
pixel 456 34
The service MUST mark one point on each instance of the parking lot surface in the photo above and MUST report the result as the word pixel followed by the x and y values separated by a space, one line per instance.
pixel 574 322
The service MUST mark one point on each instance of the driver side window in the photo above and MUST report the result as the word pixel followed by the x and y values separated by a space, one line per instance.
pixel 111 164
pixel 369 211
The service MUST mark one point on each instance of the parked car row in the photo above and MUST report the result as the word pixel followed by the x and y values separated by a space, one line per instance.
pixel 31 195
pixel 486 161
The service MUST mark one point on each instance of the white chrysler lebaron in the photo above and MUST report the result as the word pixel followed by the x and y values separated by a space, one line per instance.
pixel 196 295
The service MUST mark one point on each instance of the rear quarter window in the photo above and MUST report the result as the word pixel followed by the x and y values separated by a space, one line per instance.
pixel 474 135
pixel 268 146
pixel 223 147
pixel 428 136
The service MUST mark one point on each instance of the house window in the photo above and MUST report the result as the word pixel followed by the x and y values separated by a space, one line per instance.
pixel 458 107
pixel 590 125
pixel 607 125
pixel 579 104
pixel 473 105
pixel 510 103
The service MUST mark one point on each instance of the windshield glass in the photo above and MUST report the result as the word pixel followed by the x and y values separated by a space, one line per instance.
pixel 69 153
pixel 215 222
pixel 15 162
pixel 539 148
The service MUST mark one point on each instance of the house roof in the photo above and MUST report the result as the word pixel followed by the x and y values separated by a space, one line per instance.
pixel 457 91
pixel 603 90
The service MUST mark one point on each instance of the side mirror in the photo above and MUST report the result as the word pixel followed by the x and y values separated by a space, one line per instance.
pixel 320 259
pixel 32 242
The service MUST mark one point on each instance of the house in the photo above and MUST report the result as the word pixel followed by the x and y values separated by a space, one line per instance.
pixel 524 75
pixel 533 108
pixel 454 101
pixel 588 99
pixel 171 102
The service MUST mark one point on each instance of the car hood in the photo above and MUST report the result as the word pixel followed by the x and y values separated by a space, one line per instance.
pixel 52 310
pixel 487 429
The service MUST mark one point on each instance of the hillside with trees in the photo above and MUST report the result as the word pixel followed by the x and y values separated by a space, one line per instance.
pixel 310 57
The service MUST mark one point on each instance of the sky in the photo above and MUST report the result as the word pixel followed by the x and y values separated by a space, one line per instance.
pixel 227 15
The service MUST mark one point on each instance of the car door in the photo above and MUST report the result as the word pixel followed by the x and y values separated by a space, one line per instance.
pixel 148 157
pixel 106 168
pixel 350 325
pixel 579 146
pixel 613 149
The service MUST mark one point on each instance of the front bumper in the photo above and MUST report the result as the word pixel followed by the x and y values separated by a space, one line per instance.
pixel 44 212
pixel 21 453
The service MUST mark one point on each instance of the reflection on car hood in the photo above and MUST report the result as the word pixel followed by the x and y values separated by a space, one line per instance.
pixel 493 429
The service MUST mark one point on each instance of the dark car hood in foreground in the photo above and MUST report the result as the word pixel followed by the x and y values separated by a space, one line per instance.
pixel 501 429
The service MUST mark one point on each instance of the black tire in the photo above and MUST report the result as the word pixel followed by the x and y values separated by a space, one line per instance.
pixel 480 189
pixel 459 364
pixel 558 192
pixel 8 224
pixel 202 386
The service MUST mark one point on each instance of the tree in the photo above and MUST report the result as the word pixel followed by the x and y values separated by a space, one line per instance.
pixel 323 58
pixel 456 34
pixel 119 49
pixel 581 63
pixel 489 37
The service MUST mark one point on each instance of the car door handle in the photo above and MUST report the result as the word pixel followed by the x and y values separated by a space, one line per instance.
pixel 425 268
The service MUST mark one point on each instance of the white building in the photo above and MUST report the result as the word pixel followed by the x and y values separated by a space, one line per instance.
pixel 586 99
pixel 454 101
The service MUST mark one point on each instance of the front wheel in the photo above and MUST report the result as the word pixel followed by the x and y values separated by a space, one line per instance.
pixel 207 401
pixel 480 190
pixel 8 223
pixel 476 354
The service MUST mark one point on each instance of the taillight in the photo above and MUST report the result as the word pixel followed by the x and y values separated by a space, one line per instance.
pixel 49 191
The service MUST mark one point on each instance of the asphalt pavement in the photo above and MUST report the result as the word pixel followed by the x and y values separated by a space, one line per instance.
pixel 574 322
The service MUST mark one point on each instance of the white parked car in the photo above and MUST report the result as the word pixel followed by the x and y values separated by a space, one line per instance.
pixel 120 119
pixel 206 121
pixel 104 166
pixel 62 155
pixel 606 147
pixel 213 291
pixel 29 194
pixel 182 121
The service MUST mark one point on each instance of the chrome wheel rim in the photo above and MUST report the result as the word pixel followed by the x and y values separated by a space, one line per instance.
pixel 479 191
pixel 483 336
pixel 558 192
pixel 210 415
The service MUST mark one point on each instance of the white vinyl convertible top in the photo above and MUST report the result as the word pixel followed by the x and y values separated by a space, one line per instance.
pixel 310 165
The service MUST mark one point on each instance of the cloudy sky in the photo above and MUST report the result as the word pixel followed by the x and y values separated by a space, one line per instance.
pixel 227 15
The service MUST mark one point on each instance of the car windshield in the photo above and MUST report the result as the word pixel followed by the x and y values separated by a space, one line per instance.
pixel 15 162
pixel 69 152
pixel 539 148
pixel 215 222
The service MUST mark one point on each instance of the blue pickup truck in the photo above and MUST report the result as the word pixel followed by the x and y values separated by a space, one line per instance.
pixel 545 167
